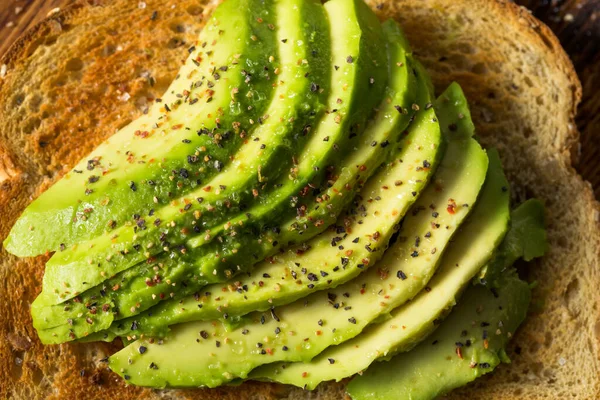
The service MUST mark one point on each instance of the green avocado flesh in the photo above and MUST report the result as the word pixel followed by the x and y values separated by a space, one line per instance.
pixel 339 128
pixel 356 241
pixel 136 289
pixel 301 330
pixel 266 153
pixel 296 208
pixel 471 249
pixel 202 118
pixel 436 366
pixel 70 321
pixel 469 343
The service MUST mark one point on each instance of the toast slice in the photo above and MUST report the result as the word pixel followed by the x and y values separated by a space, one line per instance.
pixel 86 71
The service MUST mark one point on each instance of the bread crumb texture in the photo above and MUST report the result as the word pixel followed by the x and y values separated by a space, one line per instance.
pixel 91 68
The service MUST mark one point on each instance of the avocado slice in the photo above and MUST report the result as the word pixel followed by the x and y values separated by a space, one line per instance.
pixel 386 127
pixel 121 177
pixel 190 267
pixel 301 330
pixel 358 240
pixel 471 249
pixel 266 153
pixel 356 89
pixel 468 344
pixel 434 369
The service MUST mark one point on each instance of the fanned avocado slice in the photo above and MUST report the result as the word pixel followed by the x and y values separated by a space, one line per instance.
pixel 358 80
pixel 354 243
pixel 472 340
pixel 301 330
pixel 197 117
pixel 468 344
pixel 140 287
pixel 300 89
pixel 407 325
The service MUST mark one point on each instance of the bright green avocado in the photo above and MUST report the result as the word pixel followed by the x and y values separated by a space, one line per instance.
pixel 176 275
pixel 301 330
pixel 354 243
pixel 358 79
pixel 186 138
pixel 470 343
pixel 266 152
pixel 57 323
pixel 472 247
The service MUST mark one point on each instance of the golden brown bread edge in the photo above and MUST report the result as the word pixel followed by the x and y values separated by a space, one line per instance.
pixel 66 90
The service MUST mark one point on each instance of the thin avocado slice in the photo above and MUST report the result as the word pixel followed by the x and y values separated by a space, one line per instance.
pixel 122 176
pixel 463 348
pixel 358 81
pixel 354 243
pixel 301 330
pixel 469 343
pixel 240 244
pixel 472 248
pixel 265 154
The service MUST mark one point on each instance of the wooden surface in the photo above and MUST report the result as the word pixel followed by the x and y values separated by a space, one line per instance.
pixel 576 23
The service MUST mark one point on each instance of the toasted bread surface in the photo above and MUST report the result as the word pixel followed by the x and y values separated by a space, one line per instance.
pixel 78 76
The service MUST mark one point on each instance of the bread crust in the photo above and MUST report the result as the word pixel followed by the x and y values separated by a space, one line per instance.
pixel 84 104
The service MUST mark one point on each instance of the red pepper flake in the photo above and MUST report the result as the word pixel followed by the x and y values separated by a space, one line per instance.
pixel 177 126
pixel 304 374
pixel 451 206
pixel 207 188
pixel 459 352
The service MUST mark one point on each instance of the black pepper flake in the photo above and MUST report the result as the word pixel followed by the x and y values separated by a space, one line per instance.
pixel 401 275
pixel 262 319
pixel 352 320
pixel 154 15
pixel 204 334
pixel 245 331
pixel 314 87
pixel 126 377
pixel 93 178
pixel 426 164
pixel 134 325
pixel 142 349
pixel 312 277
pixel 414 254
pixel 349 59
pixel 435 214
pixel 217 343
pixel 132 186
pixel 331 360
pixel 153 366
pixel 484 365
pixel 284 348
pixel 273 315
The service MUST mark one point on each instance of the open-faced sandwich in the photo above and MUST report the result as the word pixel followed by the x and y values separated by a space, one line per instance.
pixel 372 202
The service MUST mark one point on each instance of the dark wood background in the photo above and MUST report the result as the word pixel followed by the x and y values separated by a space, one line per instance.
pixel 575 22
